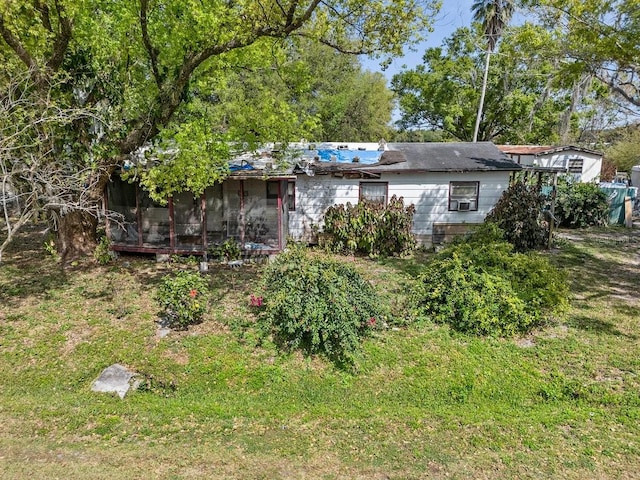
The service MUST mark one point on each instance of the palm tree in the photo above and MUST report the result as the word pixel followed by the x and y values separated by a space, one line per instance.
pixel 494 16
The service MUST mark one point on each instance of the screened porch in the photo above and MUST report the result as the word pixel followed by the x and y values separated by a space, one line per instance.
pixel 252 212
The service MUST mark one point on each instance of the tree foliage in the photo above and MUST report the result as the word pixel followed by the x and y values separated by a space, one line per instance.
pixel 600 37
pixel 581 205
pixel 494 15
pixel 625 152
pixel 519 214
pixel 521 105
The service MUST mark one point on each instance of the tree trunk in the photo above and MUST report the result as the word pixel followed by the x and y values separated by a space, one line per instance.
pixel 482 94
pixel 76 235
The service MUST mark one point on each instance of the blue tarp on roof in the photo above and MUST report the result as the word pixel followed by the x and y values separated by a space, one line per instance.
pixel 236 168
pixel 366 157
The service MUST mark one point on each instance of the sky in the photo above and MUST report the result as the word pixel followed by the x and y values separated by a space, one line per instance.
pixel 452 15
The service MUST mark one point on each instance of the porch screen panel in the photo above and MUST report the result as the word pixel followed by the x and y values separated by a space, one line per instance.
pixel 231 217
pixel 187 220
pixel 261 214
pixel 123 229
pixel 214 213
pixel 155 222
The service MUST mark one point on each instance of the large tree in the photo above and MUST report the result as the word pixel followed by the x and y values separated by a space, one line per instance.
pixel 494 15
pixel 351 104
pixel 145 67
pixel 327 94
pixel 523 102
pixel 600 38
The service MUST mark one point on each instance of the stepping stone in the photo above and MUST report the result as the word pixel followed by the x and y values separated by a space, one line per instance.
pixel 115 378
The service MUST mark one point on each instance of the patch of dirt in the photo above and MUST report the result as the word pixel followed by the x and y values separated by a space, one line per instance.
pixel 75 338
pixel 606 235
pixel 525 342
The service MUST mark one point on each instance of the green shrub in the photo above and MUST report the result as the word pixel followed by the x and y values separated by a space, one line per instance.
pixel 51 248
pixel 371 228
pixel 103 253
pixel 317 305
pixel 581 205
pixel 519 214
pixel 227 251
pixel 452 291
pixel 183 298
pixel 481 286
pixel 542 287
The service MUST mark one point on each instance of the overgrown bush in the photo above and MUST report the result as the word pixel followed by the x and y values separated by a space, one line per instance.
pixel 227 251
pixel 183 298
pixel 519 214
pixel 451 290
pixel 481 286
pixel 581 205
pixel 371 228
pixel 103 253
pixel 317 305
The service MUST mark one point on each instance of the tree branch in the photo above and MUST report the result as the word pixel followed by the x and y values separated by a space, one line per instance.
pixel 44 14
pixel 18 48
pixel 151 50
pixel 62 39
pixel 632 97
pixel 171 90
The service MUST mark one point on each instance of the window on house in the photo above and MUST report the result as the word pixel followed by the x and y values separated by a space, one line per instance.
pixel 463 196
pixel 575 165
pixel 291 196
pixel 272 193
pixel 374 192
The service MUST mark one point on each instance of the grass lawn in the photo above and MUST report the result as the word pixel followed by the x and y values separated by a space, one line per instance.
pixel 425 402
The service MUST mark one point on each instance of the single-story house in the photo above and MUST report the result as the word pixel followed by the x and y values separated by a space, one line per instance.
pixel 452 185
pixel 583 164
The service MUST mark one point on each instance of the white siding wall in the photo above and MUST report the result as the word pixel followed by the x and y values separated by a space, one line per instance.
pixel 591 167
pixel 429 192
pixel 313 196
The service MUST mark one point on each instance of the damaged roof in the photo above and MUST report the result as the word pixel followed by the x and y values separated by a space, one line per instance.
pixel 430 157
pixel 543 149
pixel 366 159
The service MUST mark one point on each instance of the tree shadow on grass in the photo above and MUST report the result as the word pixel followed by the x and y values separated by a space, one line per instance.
pixel 592 277
pixel 595 325
pixel 628 310
pixel 27 284
pixel 27 271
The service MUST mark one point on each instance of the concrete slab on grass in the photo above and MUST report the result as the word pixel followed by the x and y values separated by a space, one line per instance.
pixel 115 378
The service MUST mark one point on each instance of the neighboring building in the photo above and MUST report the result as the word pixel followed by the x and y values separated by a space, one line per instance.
pixel 452 185
pixel 583 164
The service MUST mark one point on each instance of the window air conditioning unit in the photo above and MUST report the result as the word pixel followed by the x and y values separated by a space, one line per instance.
pixel 464 206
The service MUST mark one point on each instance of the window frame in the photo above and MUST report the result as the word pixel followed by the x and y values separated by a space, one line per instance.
pixel 361 195
pixel 572 168
pixel 458 198
pixel 291 196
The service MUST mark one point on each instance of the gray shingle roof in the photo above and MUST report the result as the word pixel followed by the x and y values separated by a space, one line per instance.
pixel 447 157
pixel 433 157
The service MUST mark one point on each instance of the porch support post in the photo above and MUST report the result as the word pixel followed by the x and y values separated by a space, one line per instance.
pixel 172 236
pixel 241 220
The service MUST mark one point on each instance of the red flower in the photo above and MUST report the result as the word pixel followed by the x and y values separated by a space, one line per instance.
pixel 256 301
pixel 372 321
pixel 193 293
